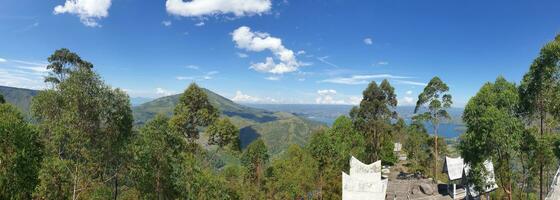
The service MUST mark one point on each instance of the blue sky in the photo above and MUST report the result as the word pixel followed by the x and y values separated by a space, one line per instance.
pixel 291 51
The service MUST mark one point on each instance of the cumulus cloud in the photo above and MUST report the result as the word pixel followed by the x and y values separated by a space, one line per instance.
pixel 89 11
pixel 361 79
pixel 368 41
pixel 166 23
pixel 246 39
pixel 200 8
pixel 407 101
pixel 164 92
pixel 244 98
pixel 329 96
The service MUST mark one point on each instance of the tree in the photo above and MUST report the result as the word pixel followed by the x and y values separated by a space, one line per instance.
pixel 193 181
pixel 2 100
pixel 417 147
pixel 322 149
pixel 332 149
pixel 293 175
pixel 493 131
pixel 223 133
pixel 192 112
pixel 438 100
pixel 254 159
pixel 157 151
pixel 85 126
pixel 540 93
pixel 62 62
pixel 20 155
pixel 373 116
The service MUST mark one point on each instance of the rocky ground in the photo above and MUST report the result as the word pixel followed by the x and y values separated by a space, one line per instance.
pixel 413 188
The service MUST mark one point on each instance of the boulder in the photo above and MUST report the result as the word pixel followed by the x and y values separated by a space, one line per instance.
pixel 426 189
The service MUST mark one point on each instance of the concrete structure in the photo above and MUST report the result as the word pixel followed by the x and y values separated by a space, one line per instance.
pixel 364 181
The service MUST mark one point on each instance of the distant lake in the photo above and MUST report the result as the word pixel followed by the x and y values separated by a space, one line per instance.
pixel 448 130
pixel 328 113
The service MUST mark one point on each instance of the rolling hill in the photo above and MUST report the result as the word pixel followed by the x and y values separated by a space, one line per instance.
pixel 19 97
pixel 277 129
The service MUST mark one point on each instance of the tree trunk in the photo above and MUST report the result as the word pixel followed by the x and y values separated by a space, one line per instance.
pixel 541 168
pixel 436 151
pixel 116 186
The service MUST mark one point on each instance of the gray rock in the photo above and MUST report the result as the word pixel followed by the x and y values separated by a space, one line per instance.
pixel 426 189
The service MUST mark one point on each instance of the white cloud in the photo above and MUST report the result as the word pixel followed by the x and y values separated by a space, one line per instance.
pixel 192 67
pixel 244 98
pixel 199 24
pixel 368 41
pixel 22 74
pixel 272 78
pixel 257 41
pixel 407 101
pixel 411 82
pixel 329 96
pixel 409 92
pixel 300 52
pixel 361 79
pixel 164 92
pixel 354 100
pixel 242 55
pixel 382 63
pixel 89 11
pixel 206 76
pixel 200 8
pixel 324 60
pixel 166 23
pixel 326 92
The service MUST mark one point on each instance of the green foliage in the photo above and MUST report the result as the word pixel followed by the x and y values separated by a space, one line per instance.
pixel 493 132
pixel 539 94
pixel 418 147
pixel 223 133
pixel 254 158
pixel 2 100
pixel 55 179
pixel 193 112
pixel 20 155
pixel 156 152
pixel 293 175
pixel 63 62
pixel 372 117
pixel 436 96
pixel 195 182
pixel 85 126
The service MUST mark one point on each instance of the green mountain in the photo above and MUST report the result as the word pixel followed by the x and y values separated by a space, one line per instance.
pixel 277 129
pixel 19 97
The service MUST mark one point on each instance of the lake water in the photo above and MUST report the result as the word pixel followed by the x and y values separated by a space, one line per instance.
pixel 448 130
